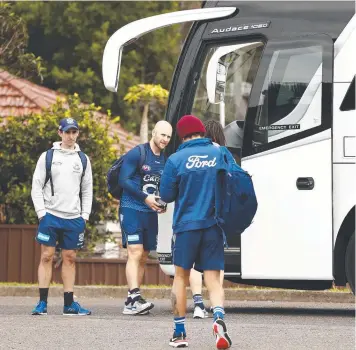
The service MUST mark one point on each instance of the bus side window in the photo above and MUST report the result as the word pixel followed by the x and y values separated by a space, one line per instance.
pixel 290 100
pixel 348 104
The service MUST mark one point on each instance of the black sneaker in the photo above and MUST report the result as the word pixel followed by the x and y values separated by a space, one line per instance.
pixel 178 341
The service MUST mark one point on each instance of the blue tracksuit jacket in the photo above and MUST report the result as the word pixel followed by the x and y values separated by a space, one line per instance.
pixel 189 179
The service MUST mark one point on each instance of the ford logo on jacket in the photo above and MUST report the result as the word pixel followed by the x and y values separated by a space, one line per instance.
pixel 189 179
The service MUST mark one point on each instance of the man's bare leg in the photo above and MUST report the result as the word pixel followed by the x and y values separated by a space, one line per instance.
pixel 179 303
pixel 196 284
pixel 216 292
pixel 44 278
pixel 214 286
pixel 136 260
pixel 141 271
pixel 45 266
pixel 196 281
pixel 68 275
pixel 222 276
pixel 134 256
pixel 68 269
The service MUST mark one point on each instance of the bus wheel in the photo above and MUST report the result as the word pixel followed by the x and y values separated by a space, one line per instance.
pixel 350 263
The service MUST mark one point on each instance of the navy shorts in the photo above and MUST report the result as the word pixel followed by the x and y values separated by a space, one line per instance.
pixel 69 233
pixel 139 227
pixel 203 249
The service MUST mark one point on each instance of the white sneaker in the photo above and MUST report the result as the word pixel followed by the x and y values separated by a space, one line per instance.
pixel 200 313
pixel 139 307
pixel 129 311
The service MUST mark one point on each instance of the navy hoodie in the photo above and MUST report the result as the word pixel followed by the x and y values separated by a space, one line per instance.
pixel 189 179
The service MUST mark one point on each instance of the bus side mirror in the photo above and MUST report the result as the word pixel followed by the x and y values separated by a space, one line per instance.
pixel 132 31
pixel 216 74
pixel 216 81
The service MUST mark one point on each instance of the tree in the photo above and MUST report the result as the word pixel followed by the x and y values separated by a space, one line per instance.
pixel 23 139
pixel 145 95
pixel 71 37
pixel 13 43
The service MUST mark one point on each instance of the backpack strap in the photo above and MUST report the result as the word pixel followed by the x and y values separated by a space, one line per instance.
pixel 49 158
pixel 142 155
pixel 219 193
pixel 84 161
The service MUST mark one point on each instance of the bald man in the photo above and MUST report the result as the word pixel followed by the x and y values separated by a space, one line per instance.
pixel 139 209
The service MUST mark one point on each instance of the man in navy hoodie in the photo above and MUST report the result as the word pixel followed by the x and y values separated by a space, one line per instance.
pixel 190 179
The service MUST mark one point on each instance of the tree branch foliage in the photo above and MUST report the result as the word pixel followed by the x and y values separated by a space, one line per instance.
pixel 13 44
pixel 147 96
pixel 71 37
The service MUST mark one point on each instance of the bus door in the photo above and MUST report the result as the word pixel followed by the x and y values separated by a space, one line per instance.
pixel 287 148
pixel 274 101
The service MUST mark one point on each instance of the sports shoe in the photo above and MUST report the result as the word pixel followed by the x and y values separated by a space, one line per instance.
pixel 200 313
pixel 222 339
pixel 129 311
pixel 75 310
pixel 40 308
pixel 140 306
pixel 178 341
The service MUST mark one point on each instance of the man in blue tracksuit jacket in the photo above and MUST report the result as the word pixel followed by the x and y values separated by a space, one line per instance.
pixel 138 211
pixel 190 179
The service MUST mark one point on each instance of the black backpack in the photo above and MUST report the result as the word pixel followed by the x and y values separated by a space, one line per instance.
pixel 49 158
pixel 112 177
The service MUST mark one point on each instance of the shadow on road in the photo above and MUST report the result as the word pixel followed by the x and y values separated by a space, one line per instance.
pixel 291 311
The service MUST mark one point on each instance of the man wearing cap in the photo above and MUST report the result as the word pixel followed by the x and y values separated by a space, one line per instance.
pixel 63 203
pixel 190 179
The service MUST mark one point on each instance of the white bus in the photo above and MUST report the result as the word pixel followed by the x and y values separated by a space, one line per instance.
pixel 280 77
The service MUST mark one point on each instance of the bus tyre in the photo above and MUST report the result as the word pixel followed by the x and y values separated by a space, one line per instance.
pixel 350 263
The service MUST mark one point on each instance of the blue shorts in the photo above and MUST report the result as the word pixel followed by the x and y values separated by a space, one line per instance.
pixel 203 249
pixel 139 227
pixel 69 233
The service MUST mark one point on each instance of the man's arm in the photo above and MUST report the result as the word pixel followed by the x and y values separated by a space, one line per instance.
pixel 128 170
pixel 38 180
pixel 87 191
pixel 169 183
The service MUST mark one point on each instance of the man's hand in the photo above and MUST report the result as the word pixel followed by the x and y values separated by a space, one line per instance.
pixel 162 211
pixel 151 202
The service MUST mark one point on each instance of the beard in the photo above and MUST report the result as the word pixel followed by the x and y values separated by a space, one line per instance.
pixel 159 145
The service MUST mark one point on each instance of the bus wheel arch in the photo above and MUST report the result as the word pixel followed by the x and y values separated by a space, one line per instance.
pixel 345 234
pixel 350 263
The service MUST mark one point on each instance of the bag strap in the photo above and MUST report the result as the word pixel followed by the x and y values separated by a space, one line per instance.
pixel 84 161
pixel 142 155
pixel 49 158
pixel 218 190
pixel 219 193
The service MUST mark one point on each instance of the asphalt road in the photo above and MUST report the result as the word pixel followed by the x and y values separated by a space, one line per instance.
pixel 251 325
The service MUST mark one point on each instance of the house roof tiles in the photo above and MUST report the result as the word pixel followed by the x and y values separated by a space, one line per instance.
pixel 21 97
